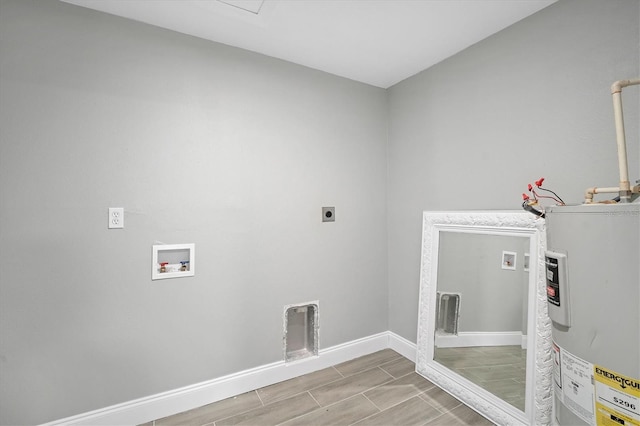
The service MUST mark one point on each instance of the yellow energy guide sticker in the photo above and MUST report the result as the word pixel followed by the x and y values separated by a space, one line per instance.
pixel 617 398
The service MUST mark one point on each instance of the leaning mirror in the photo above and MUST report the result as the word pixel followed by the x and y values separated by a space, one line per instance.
pixel 483 332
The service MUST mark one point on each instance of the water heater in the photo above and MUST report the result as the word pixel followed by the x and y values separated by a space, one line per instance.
pixel 593 292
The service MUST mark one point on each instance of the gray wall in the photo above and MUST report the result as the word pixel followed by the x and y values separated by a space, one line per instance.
pixel 200 143
pixel 491 297
pixel 237 153
pixel 531 101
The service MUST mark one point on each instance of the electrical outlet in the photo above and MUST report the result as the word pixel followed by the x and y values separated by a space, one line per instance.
pixel 328 214
pixel 116 217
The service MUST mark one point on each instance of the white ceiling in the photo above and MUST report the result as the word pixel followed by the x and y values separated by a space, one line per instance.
pixel 378 42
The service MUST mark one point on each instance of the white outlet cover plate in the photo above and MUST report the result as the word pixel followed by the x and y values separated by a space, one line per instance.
pixel 116 217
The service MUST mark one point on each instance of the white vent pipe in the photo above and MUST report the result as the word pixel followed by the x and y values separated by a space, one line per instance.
pixel 625 189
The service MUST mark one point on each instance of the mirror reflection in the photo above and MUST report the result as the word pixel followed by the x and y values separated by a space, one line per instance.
pixel 481 311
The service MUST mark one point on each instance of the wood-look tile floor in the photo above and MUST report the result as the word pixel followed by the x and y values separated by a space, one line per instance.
pixel 501 370
pixel 377 389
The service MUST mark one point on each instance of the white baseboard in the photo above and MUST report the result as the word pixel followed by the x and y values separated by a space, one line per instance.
pixel 466 339
pixel 403 346
pixel 189 397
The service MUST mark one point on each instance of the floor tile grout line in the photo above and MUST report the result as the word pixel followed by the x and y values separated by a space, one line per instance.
pixel 258 395
pixel 360 393
pixel 338 371
pixel 267 405
pixel 322 407
pixel 417 395
pixel 302 415
pixel 342 376
pixel 396 404
pixel 438 407
pixel 383 384
pixel 239 413
pixel 371 415
pixel 369 367
pixel 352 396
pixel 380 410
pixel 388 374
pixel 435 418
pixel 389 362
pixel 400 377
pixel 328 383
pixel 314 399
pixel 305 390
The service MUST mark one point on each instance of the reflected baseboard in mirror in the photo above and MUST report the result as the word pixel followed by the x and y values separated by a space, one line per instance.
pixel 496 358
